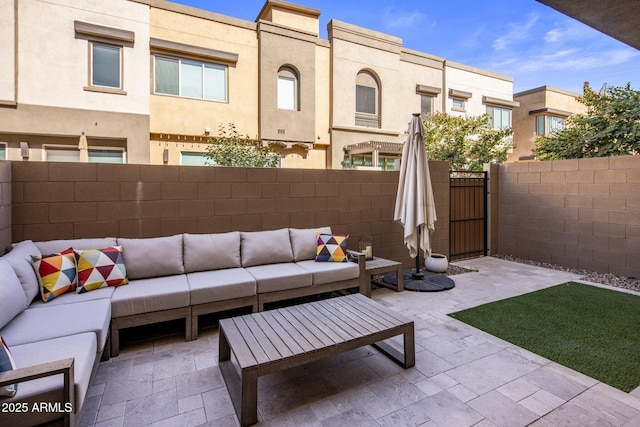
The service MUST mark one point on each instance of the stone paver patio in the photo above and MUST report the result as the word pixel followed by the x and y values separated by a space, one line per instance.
pixel 462 377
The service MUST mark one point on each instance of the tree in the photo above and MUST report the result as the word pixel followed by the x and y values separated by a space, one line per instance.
pixel 230 148
pixel 467 143
pixel 611 127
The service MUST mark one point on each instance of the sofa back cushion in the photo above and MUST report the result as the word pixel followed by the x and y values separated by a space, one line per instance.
pixel 152 257
pixel 304 242
pixel 204 252
pixel 55 246
pixel 20 260
pixel 265 247
pixel 12 298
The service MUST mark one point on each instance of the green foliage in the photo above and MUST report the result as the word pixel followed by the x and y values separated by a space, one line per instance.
pixel 611 127
pixel 229 148
pixel 467 143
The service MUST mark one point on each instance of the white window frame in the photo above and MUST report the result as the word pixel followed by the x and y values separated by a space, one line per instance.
pixel 92 67
pixel 546 119
pixel 492 115
pixel 73 148
pixel 202 64
pixel 99 35
pixel 461 101
pixel 193 153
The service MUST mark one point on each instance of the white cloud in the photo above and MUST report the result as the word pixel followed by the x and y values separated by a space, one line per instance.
pixel 403 19
pixel 570 31
pixel 516 32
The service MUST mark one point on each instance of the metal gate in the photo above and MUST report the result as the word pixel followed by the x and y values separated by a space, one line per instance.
pixel 467 214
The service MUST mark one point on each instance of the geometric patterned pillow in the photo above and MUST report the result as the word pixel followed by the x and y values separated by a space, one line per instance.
pixel 99 268
pixel 332 248
pixel 56 273
pixel 7 364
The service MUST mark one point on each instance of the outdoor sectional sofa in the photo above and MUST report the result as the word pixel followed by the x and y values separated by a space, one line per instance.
pixel 175 277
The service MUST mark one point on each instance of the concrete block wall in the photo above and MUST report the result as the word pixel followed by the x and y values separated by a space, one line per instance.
pixel 577 213
pixel 5 206
pixel 72 200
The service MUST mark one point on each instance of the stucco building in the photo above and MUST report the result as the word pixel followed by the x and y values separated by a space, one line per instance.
pixel 542 111
pixel 149 80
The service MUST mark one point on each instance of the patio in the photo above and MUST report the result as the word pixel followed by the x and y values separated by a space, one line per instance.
pixel 462 377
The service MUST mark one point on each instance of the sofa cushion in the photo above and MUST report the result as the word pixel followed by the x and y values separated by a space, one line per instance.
pixel 149 295
pixel 82 347
pixel 100 268
pixel 265 247
pixel 20 260
pixel 304 242
pixel 332 248
pixel 204 252
pixel 39 324
pixel 54 246
pixel 12 298
pixel 7 364
pixel 279 277
pixel 72 297
pixel 329 272
pixel 56 273
pixel 152 257
pixel 220 285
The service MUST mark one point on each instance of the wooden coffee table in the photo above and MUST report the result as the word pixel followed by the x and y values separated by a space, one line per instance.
pixel 270 341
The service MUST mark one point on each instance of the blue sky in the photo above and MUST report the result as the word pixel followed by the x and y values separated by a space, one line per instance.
pixel 520 38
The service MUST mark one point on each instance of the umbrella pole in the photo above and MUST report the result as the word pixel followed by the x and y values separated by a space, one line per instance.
pixel 418 275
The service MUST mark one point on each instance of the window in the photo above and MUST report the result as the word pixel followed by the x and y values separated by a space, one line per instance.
pixel 499 117
pixel 426 106
pixel 458 104
pixel 190 79
pixel 106 52
pixel 106 65
pixel 546 125
pixel 192 158
pixel 3 152
pixel 287 89
pixel 367 100
pixel 72 154
pixel 105 155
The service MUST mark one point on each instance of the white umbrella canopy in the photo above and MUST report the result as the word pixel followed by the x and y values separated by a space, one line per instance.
pixel 415 207
pixel 84 148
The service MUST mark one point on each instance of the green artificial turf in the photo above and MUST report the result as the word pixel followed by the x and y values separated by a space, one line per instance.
pixel 589 329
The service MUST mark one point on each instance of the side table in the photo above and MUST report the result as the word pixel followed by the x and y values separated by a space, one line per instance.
pixel 379 266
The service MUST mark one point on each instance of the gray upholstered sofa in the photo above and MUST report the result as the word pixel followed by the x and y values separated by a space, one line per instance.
pixel 175 277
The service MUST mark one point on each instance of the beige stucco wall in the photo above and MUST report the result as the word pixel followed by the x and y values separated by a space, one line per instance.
pixel 524 124
pixel 7 53
pixel 279 48
pixel 53 71
pixel 48 47
pixel 479 83
pixel 175 115
pixel 293 16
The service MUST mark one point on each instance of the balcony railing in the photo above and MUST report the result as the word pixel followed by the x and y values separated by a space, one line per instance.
pixel 368 120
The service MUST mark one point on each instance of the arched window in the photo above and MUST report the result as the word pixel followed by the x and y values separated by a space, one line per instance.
pixel 288 88
pixel 367 100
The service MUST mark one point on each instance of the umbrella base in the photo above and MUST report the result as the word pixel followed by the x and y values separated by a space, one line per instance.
pixel 430 282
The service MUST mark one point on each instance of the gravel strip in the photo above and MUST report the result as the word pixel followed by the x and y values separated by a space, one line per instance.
pixel 590 276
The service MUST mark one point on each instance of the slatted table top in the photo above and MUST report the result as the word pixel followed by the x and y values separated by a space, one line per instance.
pixel 275 336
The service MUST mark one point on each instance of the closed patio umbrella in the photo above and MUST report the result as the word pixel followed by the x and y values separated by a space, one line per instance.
pixel 84 148
pixel 415 208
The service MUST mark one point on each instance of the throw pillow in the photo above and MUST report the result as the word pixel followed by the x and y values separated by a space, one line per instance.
pixel 99 268
pixel 332 248
pixel 7 364
pixel 56 273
